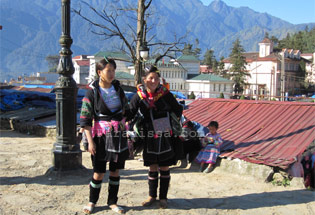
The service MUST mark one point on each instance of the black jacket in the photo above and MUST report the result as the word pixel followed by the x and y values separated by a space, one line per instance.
pixel 162 147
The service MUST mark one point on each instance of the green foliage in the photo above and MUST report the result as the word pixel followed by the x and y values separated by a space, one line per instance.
pixel 238 70
pixel 209 58
pixel 221 70
pixel 52 61
pixel 221 96
pixel 211 62
pixel 188 49
pixel 192 95
pixel 285 182
pixel 302 40
pixel 242 97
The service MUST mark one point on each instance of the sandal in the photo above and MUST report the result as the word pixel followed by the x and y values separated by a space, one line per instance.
pixel 201 169
pixel 117 209
pixel 88 209
pixel 149 201
pixel 208 170
pixel 163 203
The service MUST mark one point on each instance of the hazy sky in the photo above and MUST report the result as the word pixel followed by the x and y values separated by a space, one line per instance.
pixel 293 11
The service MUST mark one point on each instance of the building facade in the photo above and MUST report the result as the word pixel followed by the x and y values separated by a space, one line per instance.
pixel 81 66
pixel 209 86
pixel 265 68
pixel 309 67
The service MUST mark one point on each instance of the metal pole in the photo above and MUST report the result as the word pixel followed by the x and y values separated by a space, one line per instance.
pixel 282 76
pixel 140 29
pixel 256 80
pixel 67 153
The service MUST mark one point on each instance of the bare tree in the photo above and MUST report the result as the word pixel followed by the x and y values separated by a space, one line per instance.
pixel 132 37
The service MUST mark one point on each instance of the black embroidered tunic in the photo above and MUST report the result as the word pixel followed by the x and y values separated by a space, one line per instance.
pixel 159 149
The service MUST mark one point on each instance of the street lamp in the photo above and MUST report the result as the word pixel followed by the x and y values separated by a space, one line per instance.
pixel 67 153
pixel 144 51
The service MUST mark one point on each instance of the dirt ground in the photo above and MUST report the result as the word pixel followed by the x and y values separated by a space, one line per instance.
pixel 25 189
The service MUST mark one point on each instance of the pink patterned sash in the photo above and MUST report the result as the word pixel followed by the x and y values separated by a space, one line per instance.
pixel 103 127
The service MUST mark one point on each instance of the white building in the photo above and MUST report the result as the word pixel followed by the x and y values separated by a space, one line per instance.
pixel 122 62
pixel 309 67
pixel 265 70
pixel 209 86
pixel 81 66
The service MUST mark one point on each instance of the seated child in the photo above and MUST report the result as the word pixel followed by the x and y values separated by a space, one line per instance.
pixel 211 148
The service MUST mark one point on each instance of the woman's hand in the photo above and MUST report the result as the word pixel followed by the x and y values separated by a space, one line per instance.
pixel 92 148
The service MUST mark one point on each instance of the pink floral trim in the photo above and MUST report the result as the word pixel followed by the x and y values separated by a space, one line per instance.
pixel 103 127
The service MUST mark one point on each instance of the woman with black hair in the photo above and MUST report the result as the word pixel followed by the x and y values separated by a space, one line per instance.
pixel 105 103
pixel 156 104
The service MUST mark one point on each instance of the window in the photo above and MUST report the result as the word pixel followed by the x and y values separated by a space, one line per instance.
pixel 219 87
pixel 213 87
pixel 224 87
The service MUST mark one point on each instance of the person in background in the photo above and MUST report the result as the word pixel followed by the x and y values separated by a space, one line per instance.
pixel 296 170
pixel 105 103
pixel 165 84
pixel 211 148
pixel 160 150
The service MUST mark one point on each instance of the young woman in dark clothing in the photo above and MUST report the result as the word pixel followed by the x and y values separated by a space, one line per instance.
pixel 102 116
pixel 156 104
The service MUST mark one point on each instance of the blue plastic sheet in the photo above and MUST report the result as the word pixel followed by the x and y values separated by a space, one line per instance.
pixel 15 99
pixel 178 95
pixel 201 130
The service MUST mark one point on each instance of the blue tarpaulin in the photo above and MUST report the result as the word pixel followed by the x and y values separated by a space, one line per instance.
pixel 179 95
pixel 39 86
pixel 15 99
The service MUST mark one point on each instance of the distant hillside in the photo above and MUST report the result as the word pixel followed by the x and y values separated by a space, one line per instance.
pixel 31 29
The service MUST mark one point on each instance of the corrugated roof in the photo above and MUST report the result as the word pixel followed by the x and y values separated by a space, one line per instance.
pixel 114 55
pixel 83 62
pixel 270 133
pixel 188 58
pixel 123 75
pixel 206 77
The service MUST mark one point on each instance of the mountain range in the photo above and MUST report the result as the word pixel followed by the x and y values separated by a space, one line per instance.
pixel 31 29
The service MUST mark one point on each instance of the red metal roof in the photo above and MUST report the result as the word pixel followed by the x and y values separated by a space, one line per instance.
pixel 261 132
pixel 83 62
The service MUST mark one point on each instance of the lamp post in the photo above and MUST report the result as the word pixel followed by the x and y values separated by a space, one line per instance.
pixel 67 153
pixel 144 52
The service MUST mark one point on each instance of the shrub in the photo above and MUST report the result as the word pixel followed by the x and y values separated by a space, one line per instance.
pixel 192 95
